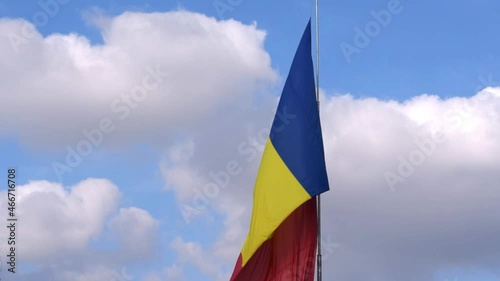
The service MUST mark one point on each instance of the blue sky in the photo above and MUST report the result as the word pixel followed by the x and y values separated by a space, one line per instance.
pixel 448 50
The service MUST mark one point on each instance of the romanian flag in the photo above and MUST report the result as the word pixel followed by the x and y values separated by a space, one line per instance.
pixel 281 243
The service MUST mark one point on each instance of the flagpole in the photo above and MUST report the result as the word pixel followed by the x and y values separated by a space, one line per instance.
pixel 319 276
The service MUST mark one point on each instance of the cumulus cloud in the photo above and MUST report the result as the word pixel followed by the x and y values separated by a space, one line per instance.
pixel 433 217
pixel 136 230
pixel 194 254
pixel 175 273
pixel 438 211
pixel 74 216
pixel 58 227
pixel 167 70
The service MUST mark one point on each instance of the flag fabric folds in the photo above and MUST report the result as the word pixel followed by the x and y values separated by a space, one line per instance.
pixel 281 243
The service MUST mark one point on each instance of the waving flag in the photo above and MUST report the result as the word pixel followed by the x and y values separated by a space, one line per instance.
pixel 281 243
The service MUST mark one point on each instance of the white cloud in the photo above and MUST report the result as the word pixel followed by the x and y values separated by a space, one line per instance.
pixel 175 273
pixel 137 231
pixel 176 172
pixel 423 226
pixel 55 220
pixel 171 273
pixel 194 254
pixel 57 226
pixel 66 84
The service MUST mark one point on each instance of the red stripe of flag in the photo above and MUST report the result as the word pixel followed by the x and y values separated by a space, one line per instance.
pixel 289 255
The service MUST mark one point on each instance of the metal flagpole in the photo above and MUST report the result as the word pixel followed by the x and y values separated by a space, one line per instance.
pixel 319 276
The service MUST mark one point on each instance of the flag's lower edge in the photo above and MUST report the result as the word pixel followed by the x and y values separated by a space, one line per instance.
pixel 289 255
